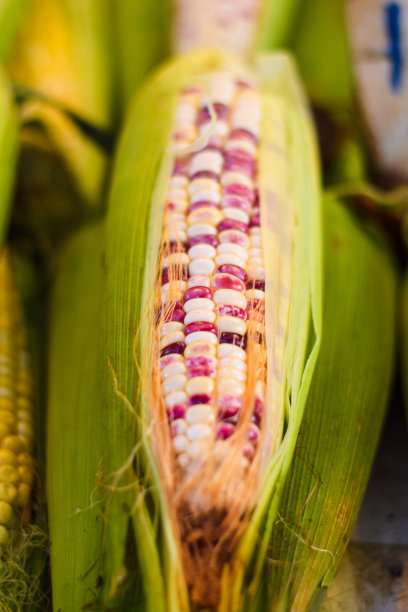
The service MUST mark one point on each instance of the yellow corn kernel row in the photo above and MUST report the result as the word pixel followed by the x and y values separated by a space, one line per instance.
pixel 16 409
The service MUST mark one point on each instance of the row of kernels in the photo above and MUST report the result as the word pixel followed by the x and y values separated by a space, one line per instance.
pixel 255 266
pixel 185 131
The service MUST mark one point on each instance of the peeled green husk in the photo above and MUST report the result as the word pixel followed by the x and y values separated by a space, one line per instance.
pixel 111 491
pixel 11 12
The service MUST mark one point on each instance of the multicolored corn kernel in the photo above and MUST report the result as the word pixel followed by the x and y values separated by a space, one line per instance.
pixel 16 409
pixel 211 312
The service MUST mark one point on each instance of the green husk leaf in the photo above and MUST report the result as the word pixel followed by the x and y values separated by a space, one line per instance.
pixel 133 234
pixel 75 452
pixel 8 149
pixel 11 12
pixel 343 415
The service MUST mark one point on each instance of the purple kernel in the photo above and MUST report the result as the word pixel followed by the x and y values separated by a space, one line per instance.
pixel 242 168
pixel 176 412
pixel 176 275
pixel 256 419
pixel 176 347
pixel 203 116
pixel 225 431
pixel 255 221
pixel 200 398
pixel 253 434
pixel 205 174
pixel 239 154
pixel 229 405
pixel 177 247
pixel 201 326
pixel 202 203
pixel 231 311
pixel 234 236
pixel 204 239
pixel 227 281
pixel 239 190
pixel 231 338
pixel 235 270
pixel 201 360
pixel 197 292
pixel 241 133
pixel 234 224
pixel 177 314
pixel 248 451
pixel 258 406
pixel 228 413
pixel 252 304
pixel 236 202
pixel 201 371
pixel 256 284
pixel 180 168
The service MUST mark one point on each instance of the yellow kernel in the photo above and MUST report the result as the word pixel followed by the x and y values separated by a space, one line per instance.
pixel 4 535
pixel 24 415
pixel 23 495
pixel 7 417
pixel 7 381
pixel 8 492
pixel 25 459
pixel 28 443
pixel 8 473
pixel 24 404
pixel 5 430
pixel 26 474
pixel 13 443
pixel 6 513
pixel 7 457
pixel 6 403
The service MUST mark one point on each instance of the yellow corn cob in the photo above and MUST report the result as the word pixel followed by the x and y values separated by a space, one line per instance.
pixel 16 411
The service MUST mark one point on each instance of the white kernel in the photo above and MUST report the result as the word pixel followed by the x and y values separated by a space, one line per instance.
pixel 230 296
pixel 177 236
pixel 236 249
pixel 255 294
pixel 175 285
pixel 256 272
pixel 243 145
pixel 183 460
pixel 201 266
pixel 176 193
pixel 174 383
pixel 198 431
pixel 208 196
pixel 232 178
pixel 255 261
pixel 180 443
pixel 200 413
pixel 186 113
pixel 231 212
pixel 255 252
pixel 231 362
pixel 200 385
pixel 198 304
pixel 177 336
pixel 201 184
pixel 205 214
pixel 178 180
pixel 180 205
pixel 201 228
pixel 171 326
pixel 200 315
pixel 178 367
pixel 255 231
pixel 255 241
pixel 231 351
pixel 176 259
pixel 172 358
pixel 178 427
pixel 172 296
pixel 230 386
pixel 197 449
pixel 232 373
pixel 178 397
pixel 202 250
pixel 207 160
pixel 214 156
pixel 173 216
pixel 201 336
pixel 230 258
pixel 199 280
pixel 234 325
